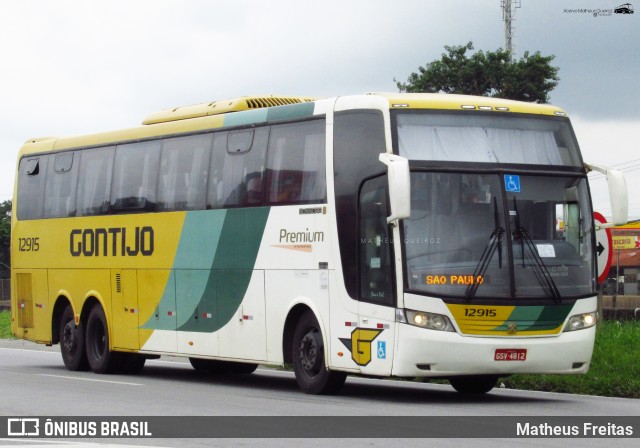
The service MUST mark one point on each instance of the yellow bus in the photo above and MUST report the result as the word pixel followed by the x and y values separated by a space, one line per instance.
pixel 407 235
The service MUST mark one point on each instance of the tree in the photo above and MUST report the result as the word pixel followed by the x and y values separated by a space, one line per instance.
pixel 5 235
pixel 530 78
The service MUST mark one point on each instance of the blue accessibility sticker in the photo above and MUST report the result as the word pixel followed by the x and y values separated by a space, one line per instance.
pixel 512 183
pixel 382 350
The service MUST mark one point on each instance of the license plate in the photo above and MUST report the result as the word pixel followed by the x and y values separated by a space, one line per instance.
pixel 510 354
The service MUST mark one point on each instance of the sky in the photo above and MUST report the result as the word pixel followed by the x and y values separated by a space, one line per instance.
pixel 73 67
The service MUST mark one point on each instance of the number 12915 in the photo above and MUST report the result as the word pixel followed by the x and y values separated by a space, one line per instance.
pixel 31 244
pixel 480 312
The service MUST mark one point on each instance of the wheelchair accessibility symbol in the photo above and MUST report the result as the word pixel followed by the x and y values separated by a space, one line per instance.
pixel 512 183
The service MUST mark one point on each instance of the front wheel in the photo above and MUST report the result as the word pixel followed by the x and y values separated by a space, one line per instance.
pixel 312 375
pixel 480 384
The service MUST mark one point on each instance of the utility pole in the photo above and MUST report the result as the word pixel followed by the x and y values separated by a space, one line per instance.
pixel 508 16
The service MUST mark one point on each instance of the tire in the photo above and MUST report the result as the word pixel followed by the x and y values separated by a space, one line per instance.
pixel 312 375
pixel 101 359
pixel 222 367
pixel 480 384
pixel 72 342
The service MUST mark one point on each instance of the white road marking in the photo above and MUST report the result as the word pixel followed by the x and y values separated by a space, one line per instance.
pixel 29 350
pixel 89 379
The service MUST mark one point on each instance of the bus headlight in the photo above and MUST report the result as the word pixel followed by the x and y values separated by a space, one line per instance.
pixel 431 321
pixel 581 321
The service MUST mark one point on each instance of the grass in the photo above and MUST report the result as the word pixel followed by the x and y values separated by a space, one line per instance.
pixel 614 372
pixel 5 325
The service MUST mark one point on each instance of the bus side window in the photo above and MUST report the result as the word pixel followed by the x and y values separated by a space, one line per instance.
pixel 31 183
pixel 60 193
pixel 296 163
pixel 184 166
pixel 94 182
pixel 237 167
pixel 135 177
pixel 376 280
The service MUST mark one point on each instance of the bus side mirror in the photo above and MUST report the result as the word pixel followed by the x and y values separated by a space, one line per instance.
pixel 399 186
pixel 618 195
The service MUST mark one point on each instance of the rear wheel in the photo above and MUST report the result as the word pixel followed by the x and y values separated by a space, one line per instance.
pixel 312 375
pixel 480 384
pixel 72 342
pixel 101 359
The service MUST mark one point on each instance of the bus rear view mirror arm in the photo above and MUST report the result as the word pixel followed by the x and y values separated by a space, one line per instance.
pixel 399 186
pixel 618 194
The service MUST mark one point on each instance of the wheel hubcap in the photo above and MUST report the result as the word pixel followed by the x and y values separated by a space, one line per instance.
pixel 310 358
pixel 69 336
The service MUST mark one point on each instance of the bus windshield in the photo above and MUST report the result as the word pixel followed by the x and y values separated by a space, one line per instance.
pixel 482 138
pixel 478 236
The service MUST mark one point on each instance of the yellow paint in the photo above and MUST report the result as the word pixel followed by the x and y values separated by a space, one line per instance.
pixel 361 339
pixel 482 320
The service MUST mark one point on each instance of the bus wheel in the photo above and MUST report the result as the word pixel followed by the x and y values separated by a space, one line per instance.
pixel 312 375
pixel 480 384
pixel 72 342
pixel 101 359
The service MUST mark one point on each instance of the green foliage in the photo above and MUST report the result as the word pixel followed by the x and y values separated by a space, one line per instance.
pixel 5 325
pixel 614 372
pixel 530 78
pixel 5 237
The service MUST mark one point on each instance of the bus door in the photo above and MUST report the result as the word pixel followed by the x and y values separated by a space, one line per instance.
pixel 372 346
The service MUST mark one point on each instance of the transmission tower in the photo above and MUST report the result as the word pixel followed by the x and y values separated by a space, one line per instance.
pixel 508 16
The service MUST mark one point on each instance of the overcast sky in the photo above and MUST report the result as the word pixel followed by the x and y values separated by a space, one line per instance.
pixel 81 66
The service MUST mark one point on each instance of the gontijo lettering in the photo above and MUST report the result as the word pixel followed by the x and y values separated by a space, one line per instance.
pixel 112 241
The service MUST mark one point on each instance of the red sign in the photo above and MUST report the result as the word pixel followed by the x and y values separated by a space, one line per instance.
pixel 604 248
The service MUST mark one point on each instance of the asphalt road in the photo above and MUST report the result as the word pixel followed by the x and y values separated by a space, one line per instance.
pixel 34 382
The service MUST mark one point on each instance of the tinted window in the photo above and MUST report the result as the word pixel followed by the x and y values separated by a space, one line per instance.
pixel 235 176
pixel 135 177
pixel 31 178
pixel 358 140
pixel 94 183
pixel 376 282
pixel 183 172
pixel 296 163
pixel 62 179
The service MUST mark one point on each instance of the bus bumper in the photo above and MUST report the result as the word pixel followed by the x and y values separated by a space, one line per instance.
pixel 429 353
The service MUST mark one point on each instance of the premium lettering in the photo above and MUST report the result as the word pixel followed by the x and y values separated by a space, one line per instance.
pixel 301 237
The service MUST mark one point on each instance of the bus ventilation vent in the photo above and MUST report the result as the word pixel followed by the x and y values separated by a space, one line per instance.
pixel 259 103
pixel 118 283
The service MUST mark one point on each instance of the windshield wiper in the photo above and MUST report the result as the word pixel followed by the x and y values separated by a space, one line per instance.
pixel 495 243
pixel 523 235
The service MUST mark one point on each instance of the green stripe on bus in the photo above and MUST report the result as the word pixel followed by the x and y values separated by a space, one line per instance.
pixel 536 318
pixel 231 270
pixel 245 117
pixel 213 266
pixel 291 112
